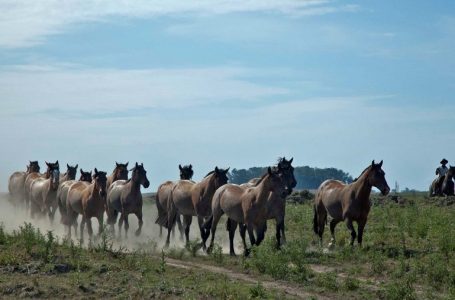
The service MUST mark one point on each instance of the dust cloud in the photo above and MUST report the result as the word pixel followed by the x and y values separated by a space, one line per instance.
pixel 13 215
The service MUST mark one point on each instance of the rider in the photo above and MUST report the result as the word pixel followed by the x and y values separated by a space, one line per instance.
pixel 441 172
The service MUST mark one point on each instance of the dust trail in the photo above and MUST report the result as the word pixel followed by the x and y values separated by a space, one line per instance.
pixel 12 217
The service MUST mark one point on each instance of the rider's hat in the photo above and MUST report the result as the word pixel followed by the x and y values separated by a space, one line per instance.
pixel 444 161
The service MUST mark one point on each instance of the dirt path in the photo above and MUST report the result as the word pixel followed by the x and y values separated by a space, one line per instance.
pixel 287 288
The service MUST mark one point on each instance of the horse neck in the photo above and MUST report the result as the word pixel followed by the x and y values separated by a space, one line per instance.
pixel 94 190
pixel 263 190
pixel 206 185
pixel 134 186
pixel 362 187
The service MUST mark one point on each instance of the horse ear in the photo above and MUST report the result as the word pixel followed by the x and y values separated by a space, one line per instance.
pixel 191 166
pixel 227 170
pixel 68 166
pixel 291 160
pixel 380 164
pixel 56 162
pixel 269 171
pixel 137 165
pixel 81 170
pixel 126 165
pixel 372 163
pixel 96 171
pixel 216 169
pixel 77 165
pixel 180 167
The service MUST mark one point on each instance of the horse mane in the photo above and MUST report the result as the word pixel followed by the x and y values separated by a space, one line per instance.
pixel 209 173
pixel 367 168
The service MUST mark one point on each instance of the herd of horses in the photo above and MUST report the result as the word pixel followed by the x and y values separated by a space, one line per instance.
pixel 247 206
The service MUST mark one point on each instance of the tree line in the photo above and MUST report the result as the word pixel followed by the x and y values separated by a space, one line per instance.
pixel 307 177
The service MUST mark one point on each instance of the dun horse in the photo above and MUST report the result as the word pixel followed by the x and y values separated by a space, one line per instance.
pixel 43 192
pixel 125 197
pixel 162 196
pixel 348 202
pixel 34 175
pixel 16 183
pixel 62 194
pixel 444 185
pixel 245 206
pixel 88 200
pixel 276 205
pixel 70 173
pixel 120 173
pixel 193 199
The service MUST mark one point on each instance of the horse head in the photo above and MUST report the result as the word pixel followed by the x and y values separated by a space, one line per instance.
pixel 85 176
pixel 54 175
pixel 285 167
pixel 139 174
pixel 33 167
pixel 278 184
pixel 219 176
pixel 376 178
pixel 71 171
pixel 120 171
pixel 186 172
pixel 100 180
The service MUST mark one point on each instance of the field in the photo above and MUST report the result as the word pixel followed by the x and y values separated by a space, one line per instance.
pixel 408 253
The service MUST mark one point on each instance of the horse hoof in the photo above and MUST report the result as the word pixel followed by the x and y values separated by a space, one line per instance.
pixel 232 254
pixel 247 252
pixel 138 233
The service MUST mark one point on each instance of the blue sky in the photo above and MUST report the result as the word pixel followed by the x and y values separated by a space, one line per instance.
pixel 228 83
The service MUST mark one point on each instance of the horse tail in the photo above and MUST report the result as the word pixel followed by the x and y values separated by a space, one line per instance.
pixel 315 220
pixel 228 224
pixel 159 207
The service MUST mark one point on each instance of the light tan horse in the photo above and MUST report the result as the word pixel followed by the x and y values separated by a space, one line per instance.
pixel 193 199
pixel 347 202
pixel 31 177
pixel 16 184
pixel 162 196
pixel 88 200
pixel 62 194
pixel 125 197
pixel 276 205
pixel 120 173
pixel 43 193
pixel 246 206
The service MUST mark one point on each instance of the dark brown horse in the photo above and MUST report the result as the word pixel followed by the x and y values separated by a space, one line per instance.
pixel 62 194
pixel 193 199
pixel 43 192
pixel 442 185
pixel 348 202
pixel 88 200
pixel 120 173
pixel 447 184
pixel 245 205
pixel 125 197
pixel 16 184
pixel 162 196
pixel 70 173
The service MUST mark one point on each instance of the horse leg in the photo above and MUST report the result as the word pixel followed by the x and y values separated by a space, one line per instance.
pixel 200 221
pixel 140 223
pixel 360 228
pixel 120 224
pixel 180 226
pixel 250 229
pixel 231 226
pixel 333 223
pixel 82 227
pixel 100 224
pixel 187 224
pixel 215 219
pixel 321 219
pixel 242 229
pixel 89 228
pixel 351 228
pixel 127 224
pixel 260 232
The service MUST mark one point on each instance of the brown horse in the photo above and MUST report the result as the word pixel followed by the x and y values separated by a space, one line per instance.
pixel 246 206
pixel 190 199
pixel 120 173
pixel 16 183
pixel 347 202
pixel 124 196
pixel 34 175
pixel 70 173
pixel 162 196
pixel 88 200
pixel 276 205
pixel 447 184
pixel 62 193
pixel 43 192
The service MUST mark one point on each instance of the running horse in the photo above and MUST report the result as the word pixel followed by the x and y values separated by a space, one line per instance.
pixel 348 202
pixel 246 206
pixel 43 192
pixel 87 199
pixel 190 199
pixel 162 196
pixel 447 184
pixel 70 173
pixel 16 183
pixel 125 197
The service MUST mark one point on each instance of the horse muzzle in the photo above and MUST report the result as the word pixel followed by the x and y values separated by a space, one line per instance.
pixel 385 191
pixel 146 184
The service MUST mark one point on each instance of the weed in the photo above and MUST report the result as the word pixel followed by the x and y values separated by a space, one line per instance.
pixel 257 291
pixel 217 254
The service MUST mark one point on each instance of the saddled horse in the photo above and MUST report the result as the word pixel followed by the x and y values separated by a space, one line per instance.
pixel 443 185
pixel 348 202
pixel 88 200
pixel 120 173
pixel 16 183
pixel 276 205
pixel 246 206
pixel 162 196
pixel 70 173
pixel 43 192
pixel 193 199
pixel 447 184
pixel 125 197
pixel 62 193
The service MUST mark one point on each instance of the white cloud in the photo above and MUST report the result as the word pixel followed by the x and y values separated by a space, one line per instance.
pixel 27 23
